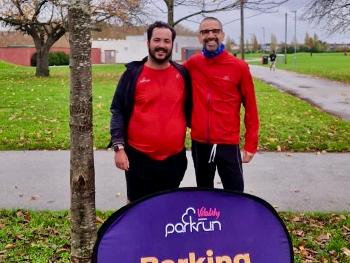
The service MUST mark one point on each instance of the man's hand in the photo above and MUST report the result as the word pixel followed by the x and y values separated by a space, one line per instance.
pixel 247 156
pixel 121 160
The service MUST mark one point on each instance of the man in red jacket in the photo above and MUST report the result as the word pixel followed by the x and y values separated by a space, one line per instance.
pixel 149 113
pixel 220 84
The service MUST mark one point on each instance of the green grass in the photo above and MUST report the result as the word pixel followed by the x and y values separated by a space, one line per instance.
pixel 34 113
pixel 41 237
pixel 291 124
pixel 334 66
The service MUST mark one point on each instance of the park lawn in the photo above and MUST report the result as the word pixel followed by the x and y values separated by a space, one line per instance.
pixel 34 113
pixel 40 237
pixel 333 66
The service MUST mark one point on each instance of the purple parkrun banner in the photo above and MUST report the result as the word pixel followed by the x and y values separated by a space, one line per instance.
pixel 193 225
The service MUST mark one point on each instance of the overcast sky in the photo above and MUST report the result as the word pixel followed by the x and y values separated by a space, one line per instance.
pixel 265 24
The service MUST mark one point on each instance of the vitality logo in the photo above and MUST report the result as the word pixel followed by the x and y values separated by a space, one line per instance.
pixel 196 220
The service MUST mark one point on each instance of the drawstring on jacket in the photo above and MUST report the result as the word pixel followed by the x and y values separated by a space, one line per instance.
pixel 212 154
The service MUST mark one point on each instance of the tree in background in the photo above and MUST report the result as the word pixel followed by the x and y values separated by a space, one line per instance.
pixel 82 173
pixel 255 44
pixel 248 46
pixel 229 44
pixel 274 43
pixel 314 44
pixel 202 7
pixel 336 14
pixel 46 20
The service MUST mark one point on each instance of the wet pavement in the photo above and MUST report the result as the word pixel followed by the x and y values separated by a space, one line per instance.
pixel 288 181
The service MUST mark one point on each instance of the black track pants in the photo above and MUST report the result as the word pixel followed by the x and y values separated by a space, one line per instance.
pixel 227 160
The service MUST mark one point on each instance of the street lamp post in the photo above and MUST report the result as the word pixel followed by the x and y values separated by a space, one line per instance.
pixel 285 40
pixel 295 35
pixel 264 43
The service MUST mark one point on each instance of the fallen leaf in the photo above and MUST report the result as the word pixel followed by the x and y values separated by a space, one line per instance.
pixel 343 217
pixel 99 220
pixel 296 219
pixel 299 233
pixel 34 197
pixel 346 251
pixel 19 213
pixel 324 237
pixel 10 246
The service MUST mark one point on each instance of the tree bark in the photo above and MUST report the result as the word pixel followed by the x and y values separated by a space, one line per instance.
pixel 42 62
pixel 82 181
pixel 170 6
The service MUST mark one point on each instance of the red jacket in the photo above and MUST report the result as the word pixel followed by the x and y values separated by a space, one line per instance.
pixel 220 85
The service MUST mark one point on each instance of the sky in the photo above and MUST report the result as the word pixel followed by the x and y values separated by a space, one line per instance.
pixel 262 25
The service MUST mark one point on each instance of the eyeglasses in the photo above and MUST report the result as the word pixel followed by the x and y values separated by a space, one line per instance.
pixel 206 32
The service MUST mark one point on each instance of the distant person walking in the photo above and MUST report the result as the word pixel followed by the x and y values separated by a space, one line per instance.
pixel 273 60
pixel 148 123
pixel 221 84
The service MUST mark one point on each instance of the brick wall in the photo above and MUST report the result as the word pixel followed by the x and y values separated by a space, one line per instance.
pixel 22 55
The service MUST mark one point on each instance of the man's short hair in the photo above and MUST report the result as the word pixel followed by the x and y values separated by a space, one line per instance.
pixel 211 18
pixel 159 24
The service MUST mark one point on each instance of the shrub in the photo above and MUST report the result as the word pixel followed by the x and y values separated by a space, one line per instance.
pixel 55 59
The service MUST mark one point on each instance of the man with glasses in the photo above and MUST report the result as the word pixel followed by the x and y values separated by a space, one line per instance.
pixel 220 84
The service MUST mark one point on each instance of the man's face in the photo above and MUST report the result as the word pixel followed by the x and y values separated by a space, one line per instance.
pixel 160 45
pixel 210 34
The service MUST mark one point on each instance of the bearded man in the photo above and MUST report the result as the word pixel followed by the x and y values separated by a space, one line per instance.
pixel 149 112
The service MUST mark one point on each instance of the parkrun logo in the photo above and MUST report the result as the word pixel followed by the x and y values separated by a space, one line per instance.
pixel 196 220
pixel 209 258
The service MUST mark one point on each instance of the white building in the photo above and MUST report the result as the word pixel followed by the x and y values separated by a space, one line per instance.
pixel 135 48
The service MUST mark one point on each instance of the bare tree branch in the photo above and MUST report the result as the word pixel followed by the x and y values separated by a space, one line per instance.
pixel 336 13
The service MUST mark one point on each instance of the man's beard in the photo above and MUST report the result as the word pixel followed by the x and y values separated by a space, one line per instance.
pixel 157 60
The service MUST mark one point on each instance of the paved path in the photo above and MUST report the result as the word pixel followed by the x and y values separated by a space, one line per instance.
pixel 331 96
pixel 288 181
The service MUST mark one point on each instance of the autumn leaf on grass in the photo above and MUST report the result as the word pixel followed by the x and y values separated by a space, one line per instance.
pixel 99 220
pixel 324 238
pixel 299 233
pixel 346 251
pixel 10 246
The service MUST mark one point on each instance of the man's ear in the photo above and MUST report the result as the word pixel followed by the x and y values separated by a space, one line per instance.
pixel 222 36
pixel 200 39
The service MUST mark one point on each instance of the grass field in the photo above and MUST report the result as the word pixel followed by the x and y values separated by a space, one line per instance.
pixel 34 113
pixel 41 237
pixel 334 66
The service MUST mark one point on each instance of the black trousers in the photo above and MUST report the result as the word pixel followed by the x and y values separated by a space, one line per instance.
pixel 227 160
pixel 147 176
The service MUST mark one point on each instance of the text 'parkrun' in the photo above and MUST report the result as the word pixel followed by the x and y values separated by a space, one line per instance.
pixel 209 258
pixel 196 220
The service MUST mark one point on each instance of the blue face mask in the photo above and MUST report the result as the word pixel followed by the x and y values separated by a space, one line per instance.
pixel 211 54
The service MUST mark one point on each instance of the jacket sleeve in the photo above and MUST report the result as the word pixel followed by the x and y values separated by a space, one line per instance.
pixel 251 118
pixel 117 124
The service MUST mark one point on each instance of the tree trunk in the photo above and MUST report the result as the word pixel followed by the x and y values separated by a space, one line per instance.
pixel 170 6
pixel 242 30
pixel 42 61
pixel 82 181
